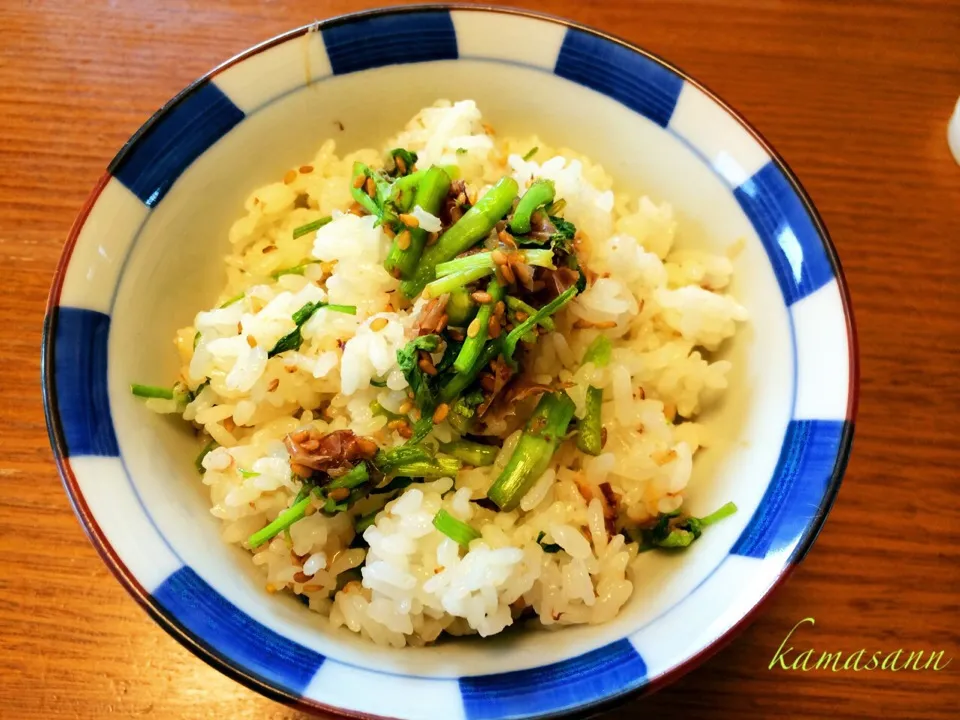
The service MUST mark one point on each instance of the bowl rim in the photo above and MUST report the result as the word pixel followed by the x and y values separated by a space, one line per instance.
pixel 209 654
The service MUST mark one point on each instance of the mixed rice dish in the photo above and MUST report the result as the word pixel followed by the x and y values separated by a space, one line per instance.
pixel 452 385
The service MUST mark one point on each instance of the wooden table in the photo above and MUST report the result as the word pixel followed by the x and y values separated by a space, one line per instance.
pixel 855 95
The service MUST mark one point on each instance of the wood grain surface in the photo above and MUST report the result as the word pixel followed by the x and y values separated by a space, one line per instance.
pixel 856 96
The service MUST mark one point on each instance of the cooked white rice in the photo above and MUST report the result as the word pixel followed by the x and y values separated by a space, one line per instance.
pixel 665 308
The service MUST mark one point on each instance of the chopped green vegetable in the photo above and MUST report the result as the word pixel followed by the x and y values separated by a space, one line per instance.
pixel 293 340
pixel 463 410
pixel 540 193
pixel 430 195
pixel 196 340
pixel 460 308
pixel 517 305
pixel 540 258
pixel 513 337
pixel 151 391
pixel 541 437
pixel 531 152
pixel 387 460
pixel 598 352
pixel 461 151
pixel 674 530
pixel 354 478
pixel 379 383
pixel 407 163
pixel 198 463
pixel 473 345
pixel 295 270
pixel 475 225
pixel 283 521
pixel 455 529
pixel 461 381
pixel 310 227
pixel 590 428
pixel 590 435
pixel 438 467
pixel 449 283
pixel 247 473
pixel 547 547
pixel 471 453
pixel 365 521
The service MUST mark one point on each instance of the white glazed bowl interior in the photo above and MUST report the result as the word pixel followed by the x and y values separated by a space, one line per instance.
pixel 681 604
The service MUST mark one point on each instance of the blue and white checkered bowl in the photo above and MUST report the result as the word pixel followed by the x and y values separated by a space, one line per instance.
pixel 144 255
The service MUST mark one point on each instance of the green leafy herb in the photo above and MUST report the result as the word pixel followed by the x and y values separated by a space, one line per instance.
pixel 310 227
pixel 247 473
pixel 531 152
pixel 379 383
pixel 408 160
pixel 461 151
pixel 562 239
pixel 419 381
pixel 207 449
pixel 293 340
pixel 675 530
pixel 455 529
pixel 547 547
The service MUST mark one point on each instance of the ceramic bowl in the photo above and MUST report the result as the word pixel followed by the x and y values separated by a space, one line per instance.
pixel 144 256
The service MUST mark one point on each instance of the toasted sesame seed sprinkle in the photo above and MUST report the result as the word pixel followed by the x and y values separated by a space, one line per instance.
pixel 251 341
pixel 403 240
pixel 482 297
pixel 474 328
pixel 406 407
pixel 378 324
pixel 440 414
pixel 306 169
pixel 370 187
pixel 409 220
pixel 289 177
pixel 359 180
pixel 498 257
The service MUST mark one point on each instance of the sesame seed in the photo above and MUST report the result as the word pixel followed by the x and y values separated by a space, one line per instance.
pixel 359 180
pixel 301 577
pixel 406 407
pixel 274 384
pixel 499 309
pixel 493 328
pixel 338 494
pixel 378 324
pixel 251 341
pixel 498 257
pixel 401 164
pixel 440 414
pixel 403 240
pixel 508 274
pixel 482 297
pixel 389 232
pixel 289 177
pixel 396 424
pixel 306 169
pixel 409 220
pixel 405 432
pixel 520 315
pixel 269 249
pixel 370 187
pixel 426 364
pixel 432 238
pixel 474 328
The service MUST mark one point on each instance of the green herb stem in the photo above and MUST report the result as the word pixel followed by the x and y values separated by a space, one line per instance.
pixel 455 529
pixel 540 193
